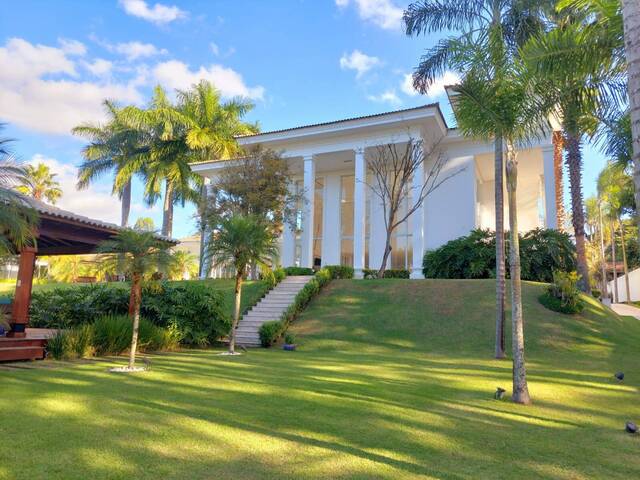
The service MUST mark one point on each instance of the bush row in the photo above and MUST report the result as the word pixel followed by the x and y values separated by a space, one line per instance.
pixel 298 271
pixel 339 271
pixel 110 335
pixel 370 273
pixel 271 331
pixel 542 251
pixel 193 309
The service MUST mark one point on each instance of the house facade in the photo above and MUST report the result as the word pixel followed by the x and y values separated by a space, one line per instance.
pixel 341 220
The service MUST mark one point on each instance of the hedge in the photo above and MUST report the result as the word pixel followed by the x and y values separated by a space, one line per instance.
pixel 542 251
pixel 298 271
pixel 271 331
pixel 194 310
pixel 370 273
pixel 340 271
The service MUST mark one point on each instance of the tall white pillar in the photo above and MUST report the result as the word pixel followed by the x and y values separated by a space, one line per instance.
pixel 551 217
pixel 359 211
pixel 309 181
pixel 418 223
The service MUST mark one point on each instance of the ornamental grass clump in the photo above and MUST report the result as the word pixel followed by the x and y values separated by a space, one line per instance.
pixel 563 294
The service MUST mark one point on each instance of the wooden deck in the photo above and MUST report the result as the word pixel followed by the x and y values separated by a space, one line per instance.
pixel 30 347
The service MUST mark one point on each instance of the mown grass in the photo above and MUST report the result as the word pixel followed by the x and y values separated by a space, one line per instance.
pixel 393 379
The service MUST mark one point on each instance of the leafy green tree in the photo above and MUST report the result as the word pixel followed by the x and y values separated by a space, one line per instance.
pixel 145 224
pixel 240 241
pixel 17 218
pixel 113 148
pixel 183 262
pixel 39 183
pixel 138 254
pixel 478 21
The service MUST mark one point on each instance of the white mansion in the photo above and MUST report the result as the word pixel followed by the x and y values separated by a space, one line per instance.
pixel 342 221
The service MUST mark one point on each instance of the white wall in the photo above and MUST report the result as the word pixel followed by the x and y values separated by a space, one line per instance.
pixel 450 210
pixel 634 286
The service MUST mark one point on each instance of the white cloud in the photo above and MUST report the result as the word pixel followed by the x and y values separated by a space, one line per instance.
pixel 388 96
pixel 99 67
pixel 359 62
pixel 72 47
pixel 175 74
pixel 135 50
pixel 215 49
pixel 94 202
pixel 435 90
pixel 383 13
pixel 159 14
pixel 31 98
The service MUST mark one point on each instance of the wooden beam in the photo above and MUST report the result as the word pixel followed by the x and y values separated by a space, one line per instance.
pixel 22 299
pixel 67 250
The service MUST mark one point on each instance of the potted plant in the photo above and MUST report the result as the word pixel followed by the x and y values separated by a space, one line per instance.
pixel 289 342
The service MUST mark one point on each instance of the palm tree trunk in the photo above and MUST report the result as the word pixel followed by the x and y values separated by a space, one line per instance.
pixel 615 263
pixel 520 388
pixel 631 19
pixel 603 258
pixel 624 263
pixel 574 162
pixel 126 204
pixel 136 294
pixel 558 147
pixel 500 251
pixel 167 213
pixel 236 311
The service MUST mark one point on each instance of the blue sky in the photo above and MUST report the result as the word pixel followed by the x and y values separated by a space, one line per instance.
pixel 301 61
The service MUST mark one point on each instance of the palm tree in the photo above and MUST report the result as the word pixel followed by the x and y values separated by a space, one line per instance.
pixel 17 218
pixel 240 241
pixel 518 19
pixel 139 254
pixel 113 148
pixel 183 264
pixel 39 183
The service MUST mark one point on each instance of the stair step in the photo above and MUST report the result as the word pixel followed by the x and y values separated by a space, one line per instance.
pixel 21 353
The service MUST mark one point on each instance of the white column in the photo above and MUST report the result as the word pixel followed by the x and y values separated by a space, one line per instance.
pixel 551 217
pixel 287 254
pixel 418 223
pixel 359 206
pixel 309 181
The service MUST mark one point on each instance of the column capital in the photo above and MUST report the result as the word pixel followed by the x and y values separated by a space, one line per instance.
pixel 359 150
pixel 308 157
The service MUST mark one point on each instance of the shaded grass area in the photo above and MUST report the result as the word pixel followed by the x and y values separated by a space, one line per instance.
pixel 252 291
pixel 394 379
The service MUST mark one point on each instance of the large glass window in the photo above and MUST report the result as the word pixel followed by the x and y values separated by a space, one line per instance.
pixel 346 219
pixel 318 210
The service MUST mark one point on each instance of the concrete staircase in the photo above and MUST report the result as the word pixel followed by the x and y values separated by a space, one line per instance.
pixel 271 307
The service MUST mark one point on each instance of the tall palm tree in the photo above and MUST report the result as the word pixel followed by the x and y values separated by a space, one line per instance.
pixel 240 241
pixel 39 183
pixel 139 254
pixel 475 19
pixel 17 218
pixel 578 92
pixel 113 147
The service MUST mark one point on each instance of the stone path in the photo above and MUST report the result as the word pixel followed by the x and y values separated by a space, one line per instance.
pixel 626 310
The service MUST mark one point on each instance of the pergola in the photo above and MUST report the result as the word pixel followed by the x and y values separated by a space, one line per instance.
pixel 59 232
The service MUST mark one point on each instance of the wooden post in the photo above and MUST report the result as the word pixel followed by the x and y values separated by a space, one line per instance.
pixel 22 299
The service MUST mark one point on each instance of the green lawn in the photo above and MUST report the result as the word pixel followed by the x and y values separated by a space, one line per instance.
pixel 252 291
pixel 394 379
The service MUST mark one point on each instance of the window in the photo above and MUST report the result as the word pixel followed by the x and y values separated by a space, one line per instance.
pixel 346 219
pixel 297 257
pixel 402 239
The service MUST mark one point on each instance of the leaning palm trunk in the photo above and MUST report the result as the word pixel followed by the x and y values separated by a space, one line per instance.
pixel 236 311
pixel 631 19
pixel 134 307
pixel 615 263
pixel 167 213
pixel 126 204
pixel 624 263
pixel 500 250
pixel 574 162
pixel 520 388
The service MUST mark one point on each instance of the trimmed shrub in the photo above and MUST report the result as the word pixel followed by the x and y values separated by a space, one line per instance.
pixel 298 271
pixel 563 294
pixel 280 274
pixel 193 309
pixel 290 339
pixel 542 251
pixel 398 273
pixel 270 332
pixel 340 271
pixel 369 273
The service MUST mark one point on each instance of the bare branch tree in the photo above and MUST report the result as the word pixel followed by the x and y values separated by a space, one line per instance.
pixel 393 168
